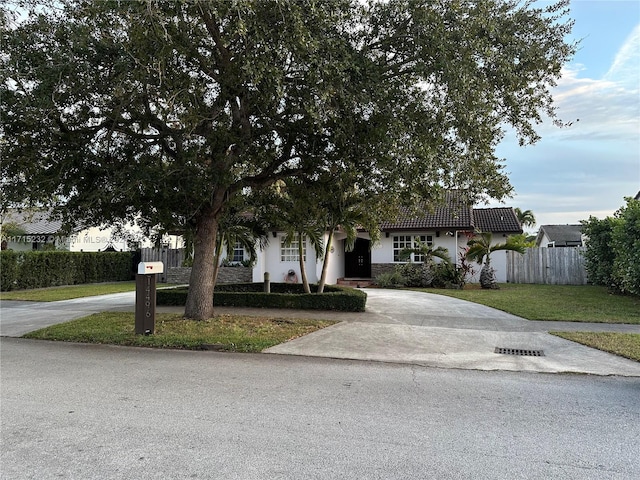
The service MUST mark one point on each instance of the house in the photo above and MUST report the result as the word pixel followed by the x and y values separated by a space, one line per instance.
pixel 449 226
pixel 553 236
pixel 36 230
pixel 31 230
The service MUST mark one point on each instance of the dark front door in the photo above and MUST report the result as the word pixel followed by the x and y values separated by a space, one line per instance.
pixel 358 262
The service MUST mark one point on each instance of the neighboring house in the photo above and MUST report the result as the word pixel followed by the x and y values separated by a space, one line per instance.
pixel 40 232
pixel 554 236
pixel 449 226
pixel 36 231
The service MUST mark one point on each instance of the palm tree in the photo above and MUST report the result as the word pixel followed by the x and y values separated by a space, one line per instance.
pixel 346 209
pixel 427 252
pixel 426 270
pixel 234 229
pixel 480 250
pixel 526 218
pixel 293 208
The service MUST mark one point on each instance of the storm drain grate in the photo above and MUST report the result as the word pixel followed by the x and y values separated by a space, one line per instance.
pixel 519 351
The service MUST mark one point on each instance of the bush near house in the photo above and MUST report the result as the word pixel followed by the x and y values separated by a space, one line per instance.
pixel 283 295
pixel 25 270
pixel 612 257
pixel 416 275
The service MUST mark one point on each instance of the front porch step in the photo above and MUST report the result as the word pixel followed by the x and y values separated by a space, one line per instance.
pixel 356 282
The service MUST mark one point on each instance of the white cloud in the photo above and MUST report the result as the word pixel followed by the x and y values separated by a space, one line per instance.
pixel 607 108
pixel 626 65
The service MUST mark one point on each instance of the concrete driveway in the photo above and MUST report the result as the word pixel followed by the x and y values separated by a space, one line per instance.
pixel 438 331
pixel 399 326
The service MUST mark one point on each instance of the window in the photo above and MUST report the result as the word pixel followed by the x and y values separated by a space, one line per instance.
pixel 400 242
pixel 238 253
pixel 289 253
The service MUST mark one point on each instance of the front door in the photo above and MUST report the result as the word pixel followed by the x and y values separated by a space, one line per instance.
pixel 358 261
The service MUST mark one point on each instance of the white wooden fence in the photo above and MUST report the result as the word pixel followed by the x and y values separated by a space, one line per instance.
pixel 551 266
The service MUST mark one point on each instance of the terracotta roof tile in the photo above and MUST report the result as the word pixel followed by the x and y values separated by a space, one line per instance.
pixel 502 219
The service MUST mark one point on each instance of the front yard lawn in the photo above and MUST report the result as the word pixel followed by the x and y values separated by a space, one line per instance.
pixel 571 303
pixel 232 333
pixel 53 294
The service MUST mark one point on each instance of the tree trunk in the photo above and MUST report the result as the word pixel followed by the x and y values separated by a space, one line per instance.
pixel 325 263
pixel 303 270
pixel 200 298
pixel 488 277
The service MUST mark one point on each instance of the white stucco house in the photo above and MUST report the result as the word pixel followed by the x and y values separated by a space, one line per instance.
pixel 449 226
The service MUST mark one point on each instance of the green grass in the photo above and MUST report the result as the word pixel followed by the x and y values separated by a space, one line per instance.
pixel 228 332
pixel 623 344
pixel 583 303
pixel 54 294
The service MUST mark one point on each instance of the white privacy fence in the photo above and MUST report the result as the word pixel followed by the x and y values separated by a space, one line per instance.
pixel 552 266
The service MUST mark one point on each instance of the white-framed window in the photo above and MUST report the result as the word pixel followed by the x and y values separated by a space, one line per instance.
pixel 238 252
pixel 289 252
pixel 400 242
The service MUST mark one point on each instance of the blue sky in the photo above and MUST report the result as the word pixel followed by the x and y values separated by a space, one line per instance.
pixel 588 168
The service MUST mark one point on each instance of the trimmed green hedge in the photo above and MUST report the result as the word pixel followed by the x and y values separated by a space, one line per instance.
pixel 283 295
pixel 25 270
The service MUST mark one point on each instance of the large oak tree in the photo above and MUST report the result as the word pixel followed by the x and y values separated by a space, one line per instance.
pixel 161 112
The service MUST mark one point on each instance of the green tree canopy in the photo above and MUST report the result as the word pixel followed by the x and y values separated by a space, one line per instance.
pixel 612 257
pixel 161 112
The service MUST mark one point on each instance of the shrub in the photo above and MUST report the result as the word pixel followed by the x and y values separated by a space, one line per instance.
pixel 283 295
pixel 390 280
pixel 625 242
pixel 416 274
pixel 612 257
pixel 448 275
pixel 8 270
pixel 25 270
pixel 599 255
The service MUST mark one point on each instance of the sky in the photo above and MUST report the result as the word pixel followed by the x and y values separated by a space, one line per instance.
pixel 588 168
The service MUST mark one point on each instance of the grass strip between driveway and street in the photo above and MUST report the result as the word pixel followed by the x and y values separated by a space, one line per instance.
pixel 623 344
pixel 232 333
pixel 69 292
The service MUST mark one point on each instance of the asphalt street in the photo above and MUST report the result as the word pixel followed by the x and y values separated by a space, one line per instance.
pixel 98 412
pixel 101 412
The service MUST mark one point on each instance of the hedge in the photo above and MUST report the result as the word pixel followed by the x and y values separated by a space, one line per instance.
pixel 25 270
pixel 283 295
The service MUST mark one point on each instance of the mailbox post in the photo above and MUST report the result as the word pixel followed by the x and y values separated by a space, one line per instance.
pixel 146 297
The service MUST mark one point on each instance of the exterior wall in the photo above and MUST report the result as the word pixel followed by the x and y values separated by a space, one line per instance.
pixel 180 275
pixel 335 269
pixel 544 241
pixel 95 239
pixel 269 261
pixel 382 254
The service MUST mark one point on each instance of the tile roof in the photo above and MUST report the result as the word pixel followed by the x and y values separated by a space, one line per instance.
pixel 438 218
pixel 455 215
pixel 501 219
pixel 33 223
